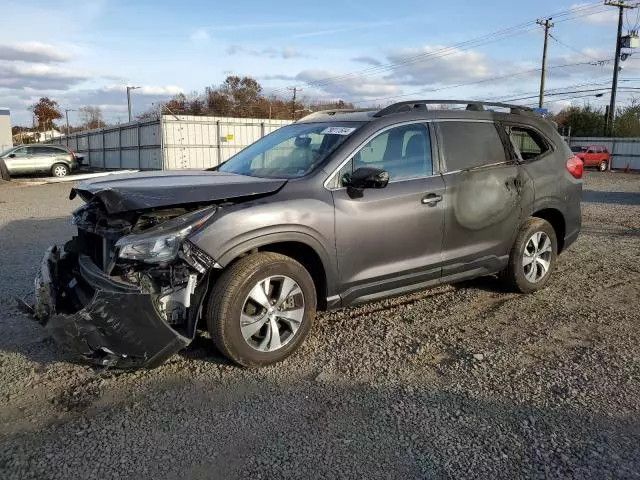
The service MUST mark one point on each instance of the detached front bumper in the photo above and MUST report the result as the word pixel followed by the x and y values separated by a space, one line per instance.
pixel 119 326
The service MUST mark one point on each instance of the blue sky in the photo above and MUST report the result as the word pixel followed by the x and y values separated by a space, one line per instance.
pixel 86 52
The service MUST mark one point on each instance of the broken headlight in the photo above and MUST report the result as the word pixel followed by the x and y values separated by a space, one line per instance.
pixel 161 243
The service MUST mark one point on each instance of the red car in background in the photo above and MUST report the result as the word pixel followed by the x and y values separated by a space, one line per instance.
pixel 593 156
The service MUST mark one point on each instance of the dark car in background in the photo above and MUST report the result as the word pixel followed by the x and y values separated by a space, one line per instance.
pixel 55 160
pixel 337 209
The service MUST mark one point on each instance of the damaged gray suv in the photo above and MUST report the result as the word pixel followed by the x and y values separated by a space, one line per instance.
pixel 339 208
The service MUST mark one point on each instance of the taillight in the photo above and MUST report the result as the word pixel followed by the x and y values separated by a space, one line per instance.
pixel 575 167
pixel 73 154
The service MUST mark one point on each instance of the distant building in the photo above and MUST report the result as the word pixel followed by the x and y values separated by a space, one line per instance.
pixel 33 137
pixel 5 129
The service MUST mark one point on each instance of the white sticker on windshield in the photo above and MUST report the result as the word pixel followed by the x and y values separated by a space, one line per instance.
pixel 337 131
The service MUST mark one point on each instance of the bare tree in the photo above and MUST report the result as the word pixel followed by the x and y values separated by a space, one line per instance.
pixel 91 117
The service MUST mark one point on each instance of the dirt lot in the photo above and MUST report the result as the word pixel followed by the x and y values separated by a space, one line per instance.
pixel 456 382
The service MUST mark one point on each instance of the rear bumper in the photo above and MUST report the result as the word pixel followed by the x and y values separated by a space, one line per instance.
pixel 119 326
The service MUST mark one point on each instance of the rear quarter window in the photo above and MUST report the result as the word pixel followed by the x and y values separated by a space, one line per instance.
pixel 528 142
pixel 468 145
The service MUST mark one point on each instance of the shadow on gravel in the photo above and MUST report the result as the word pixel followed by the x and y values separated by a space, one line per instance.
pixel 22 245
pixel 486 284
pixel 203 349
pixel 252 428
pixel 613 198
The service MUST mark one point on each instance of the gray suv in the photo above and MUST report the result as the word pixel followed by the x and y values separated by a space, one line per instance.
pixel 55 160
pixel 337 209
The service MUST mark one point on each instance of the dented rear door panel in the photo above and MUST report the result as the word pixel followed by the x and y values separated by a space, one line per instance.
pixel 484 202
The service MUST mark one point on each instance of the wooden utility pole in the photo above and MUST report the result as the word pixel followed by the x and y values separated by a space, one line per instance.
pixel 621 6
pixel 547 25
pixel 293 102
pixel 66 115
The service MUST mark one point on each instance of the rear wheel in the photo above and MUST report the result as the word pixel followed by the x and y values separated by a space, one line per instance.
pixel 603 166
pixel 59 170
pixel 261 309
pixel 532 257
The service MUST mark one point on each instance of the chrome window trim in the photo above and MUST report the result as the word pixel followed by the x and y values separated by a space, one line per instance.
pixel 371 137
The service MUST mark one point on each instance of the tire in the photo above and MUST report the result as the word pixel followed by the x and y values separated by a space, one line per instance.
pixel 59 170
pixel 519 277
pixel 603 166
pixel 232 296
pixel 4 172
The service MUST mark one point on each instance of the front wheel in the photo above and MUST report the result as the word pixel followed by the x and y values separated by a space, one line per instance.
pixel 603 166
pixel 532 257
pixel 261 309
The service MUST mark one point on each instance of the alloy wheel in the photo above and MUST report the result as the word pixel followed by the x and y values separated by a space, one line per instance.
pixel 60 171
pixel 536 260
pixel 272 313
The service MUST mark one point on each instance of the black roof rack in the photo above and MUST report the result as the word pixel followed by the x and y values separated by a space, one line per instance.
pixel 472 105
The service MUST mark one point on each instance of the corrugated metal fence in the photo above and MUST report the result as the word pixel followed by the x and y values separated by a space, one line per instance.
pixel 201 142
pixel 626 151
pixel 172 142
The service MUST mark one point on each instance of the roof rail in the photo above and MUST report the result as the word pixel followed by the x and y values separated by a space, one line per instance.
pixel 338 111
pixel 473 105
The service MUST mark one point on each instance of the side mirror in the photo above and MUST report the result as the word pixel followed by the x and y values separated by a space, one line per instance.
pixel 366 177
pixel 302 142
pixel 12 155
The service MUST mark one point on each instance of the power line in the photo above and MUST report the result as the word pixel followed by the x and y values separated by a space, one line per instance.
pixel 557 40
pixel 466 84
pixel 527 95
pixel 500 35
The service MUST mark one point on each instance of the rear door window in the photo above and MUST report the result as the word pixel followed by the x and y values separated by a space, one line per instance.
pixel 50 151
pixel 469 145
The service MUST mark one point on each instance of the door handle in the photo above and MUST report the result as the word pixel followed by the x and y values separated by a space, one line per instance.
pixel 431 199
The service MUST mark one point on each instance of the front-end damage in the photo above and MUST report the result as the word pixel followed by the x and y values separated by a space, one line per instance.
pixel 127 290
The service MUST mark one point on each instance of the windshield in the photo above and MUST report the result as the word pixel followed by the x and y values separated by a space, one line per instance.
pixel 7 151
pixel 577 149
pixel 290 152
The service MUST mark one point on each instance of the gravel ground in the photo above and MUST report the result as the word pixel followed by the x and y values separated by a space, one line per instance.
pixel 456 382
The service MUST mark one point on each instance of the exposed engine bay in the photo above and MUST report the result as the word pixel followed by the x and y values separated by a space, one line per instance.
pixel 172 282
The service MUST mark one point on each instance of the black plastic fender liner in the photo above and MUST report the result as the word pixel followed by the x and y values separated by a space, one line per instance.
pixel 116 327
pixel 123 329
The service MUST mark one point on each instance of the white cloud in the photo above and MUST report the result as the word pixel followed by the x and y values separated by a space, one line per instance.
pixel 290 52
pixel 21 75
pixel 367 60
pixel 157 90
pixel 200 36
pixel 436 64
pixel 604 17
pixel 270 52
pixel 33 52
pixel 161 90
pixel 352 86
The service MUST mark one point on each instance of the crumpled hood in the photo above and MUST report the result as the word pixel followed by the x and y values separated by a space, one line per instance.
pixel 144 190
